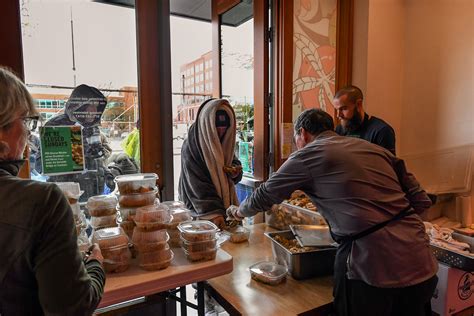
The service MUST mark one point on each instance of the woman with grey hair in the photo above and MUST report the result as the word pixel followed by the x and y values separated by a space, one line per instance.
pixel 41 268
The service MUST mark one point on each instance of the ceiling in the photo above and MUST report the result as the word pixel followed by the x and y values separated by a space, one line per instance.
pixel 199 10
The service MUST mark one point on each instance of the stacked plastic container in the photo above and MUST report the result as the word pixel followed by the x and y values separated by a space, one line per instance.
pixel 102 209
pixel 150 237
pixel 180 214
pixel 72 191
pixel 199 240
pixel 135 191
pixel 113 243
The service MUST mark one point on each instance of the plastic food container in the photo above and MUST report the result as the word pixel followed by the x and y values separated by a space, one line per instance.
pixel 138 199
pixel 143 237
pixel 102 205
pixel 198 230
pixel 71 190
pixel 179 215
pixel 268 272
pixel 153 213
pixel 198 246
pixel 128 227
pixel 104 221
pixel 127 213
pixel 174 204
pixel 201 255
pixel 175 237
pixel 238 234
pixel 136 183
pixel 157 265
pixel 113 243
pixel 155 256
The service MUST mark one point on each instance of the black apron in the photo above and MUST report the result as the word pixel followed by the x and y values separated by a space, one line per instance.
pixel 340 291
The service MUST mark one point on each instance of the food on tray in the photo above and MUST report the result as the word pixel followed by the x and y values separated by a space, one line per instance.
pixel 292 244
pixel 198 230
pixel 138 199
pixel 201 255
pixel 199 246
pixel 442 237
pixel 136 183
pixel 300 199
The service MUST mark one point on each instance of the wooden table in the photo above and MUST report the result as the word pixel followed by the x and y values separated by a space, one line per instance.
pixel 249 297
pixel 135 282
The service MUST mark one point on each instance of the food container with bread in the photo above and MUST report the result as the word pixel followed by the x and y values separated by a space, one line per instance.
pixel 268 272
pixel 136 183
pixel 102 205
pixel 302 262
pixel 199 246
pixel 114 244
pixel 155 260
pixel 179 215
pixel 104 221
pixel 153 217
pixel 146 241
pixel 206 255
pixel 198 230
pixel 237 234
pixel 138 199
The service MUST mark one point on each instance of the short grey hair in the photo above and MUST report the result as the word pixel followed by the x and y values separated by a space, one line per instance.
pixel 14 98
pixel 314 121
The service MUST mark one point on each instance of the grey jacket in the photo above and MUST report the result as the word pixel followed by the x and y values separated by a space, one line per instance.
pixel 41 269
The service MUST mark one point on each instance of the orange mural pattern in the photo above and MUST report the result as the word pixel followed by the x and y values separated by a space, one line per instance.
pixel 314 51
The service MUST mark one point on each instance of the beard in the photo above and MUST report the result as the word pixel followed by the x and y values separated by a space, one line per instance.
pixel 353 123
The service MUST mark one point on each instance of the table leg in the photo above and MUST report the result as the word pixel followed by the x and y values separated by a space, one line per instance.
pixel 182 296
pixel 200 298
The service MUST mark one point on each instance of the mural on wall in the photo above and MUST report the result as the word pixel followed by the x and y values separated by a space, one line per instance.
pixel 314 51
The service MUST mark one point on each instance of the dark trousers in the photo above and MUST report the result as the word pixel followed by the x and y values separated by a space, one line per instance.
pixel 366 300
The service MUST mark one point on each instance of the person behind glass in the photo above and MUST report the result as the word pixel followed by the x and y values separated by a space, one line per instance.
pixel 348 103
pixel 384 265
pixel 209 169
pixel 41 268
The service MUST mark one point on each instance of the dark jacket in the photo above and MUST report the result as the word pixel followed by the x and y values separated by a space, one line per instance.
pixel 41 268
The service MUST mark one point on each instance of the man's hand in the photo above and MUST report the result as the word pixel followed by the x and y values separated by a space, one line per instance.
pixel 233 214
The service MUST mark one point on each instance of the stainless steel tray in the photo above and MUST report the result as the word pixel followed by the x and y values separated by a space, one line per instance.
pixel 303 265
pixel 454 259
pixel 313 235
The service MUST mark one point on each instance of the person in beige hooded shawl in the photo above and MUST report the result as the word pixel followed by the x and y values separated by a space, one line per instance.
pixel 209 169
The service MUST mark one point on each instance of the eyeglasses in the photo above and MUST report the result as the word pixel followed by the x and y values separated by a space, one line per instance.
pixel 30 122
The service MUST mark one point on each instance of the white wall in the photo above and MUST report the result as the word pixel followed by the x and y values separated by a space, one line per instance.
pixel 414 60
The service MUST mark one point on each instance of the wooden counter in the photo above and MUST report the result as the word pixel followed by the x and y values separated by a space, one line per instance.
pixel 136 282
pixel 251 297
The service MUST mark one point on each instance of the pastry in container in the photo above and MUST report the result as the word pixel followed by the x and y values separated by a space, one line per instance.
pixel 174 204
pixel 237 234
pixel 153 217
pixel 104 221
pixel 155 260
pixel 127 213
pixel 198 230
pixel 128 227
pixel 175 237
pixel 136 183
pixel 179 215
pixel 209 254
pixel 113 243
pixel 198 246
pixel 146 241
pixel 102 205
pixel 268 272
pixel 138 199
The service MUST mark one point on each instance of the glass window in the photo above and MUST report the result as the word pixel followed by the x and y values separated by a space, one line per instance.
pixel 69 29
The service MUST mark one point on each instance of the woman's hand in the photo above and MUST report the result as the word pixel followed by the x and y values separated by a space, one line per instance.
pixel 94 253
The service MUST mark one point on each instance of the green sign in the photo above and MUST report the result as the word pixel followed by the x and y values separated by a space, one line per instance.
pixel 61 149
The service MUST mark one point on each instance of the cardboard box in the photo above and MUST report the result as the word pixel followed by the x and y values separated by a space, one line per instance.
pixel 454 292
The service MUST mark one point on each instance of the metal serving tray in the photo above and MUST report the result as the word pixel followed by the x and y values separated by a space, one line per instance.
pixel 313 235
pixel 303 265
pixel 454 259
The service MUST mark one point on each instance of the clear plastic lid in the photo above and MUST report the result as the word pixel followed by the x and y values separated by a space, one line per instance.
pixel 174 204
pixel 71 190
pixel 110 237
pixel 181 215
pixel 101 202
pixel 136 183
pixel 237 233
pixel 197 227
pixel 138 199
pixel 104 221
pixel 268 272
pixel 140 236
pixel 153 213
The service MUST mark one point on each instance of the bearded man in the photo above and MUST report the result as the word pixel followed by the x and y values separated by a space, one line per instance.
pixel 354 122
